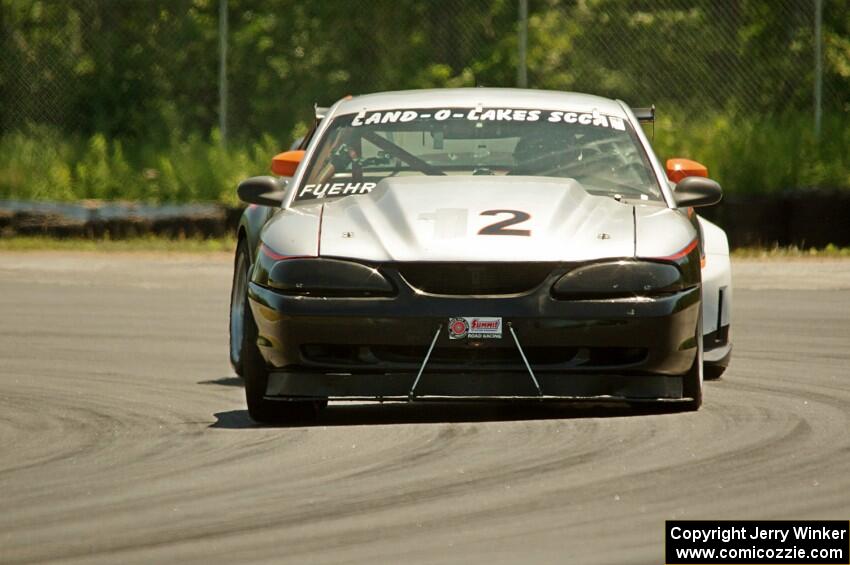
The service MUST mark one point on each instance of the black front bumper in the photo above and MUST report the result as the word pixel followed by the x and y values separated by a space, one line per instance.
pixel 355 348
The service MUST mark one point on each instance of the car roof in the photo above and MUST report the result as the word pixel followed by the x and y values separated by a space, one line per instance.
pixel 485 97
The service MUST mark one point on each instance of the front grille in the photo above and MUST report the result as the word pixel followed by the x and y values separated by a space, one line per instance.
pixel 411 357
pixel 468 356
pixel 471 279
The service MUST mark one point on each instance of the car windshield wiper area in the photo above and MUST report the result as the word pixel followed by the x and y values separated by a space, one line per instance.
pixel 616 190
pixel 409 158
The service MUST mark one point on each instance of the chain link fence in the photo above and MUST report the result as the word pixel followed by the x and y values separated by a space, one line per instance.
pixel 140 67
pixel 121 67
pixel 122 98
pixel 703 56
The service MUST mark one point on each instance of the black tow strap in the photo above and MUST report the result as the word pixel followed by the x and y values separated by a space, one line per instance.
pixel 412 394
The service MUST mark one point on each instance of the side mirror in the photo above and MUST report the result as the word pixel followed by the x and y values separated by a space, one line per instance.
pixel 284 164
pixel 692 192
pixel 677 169
pixel 265 191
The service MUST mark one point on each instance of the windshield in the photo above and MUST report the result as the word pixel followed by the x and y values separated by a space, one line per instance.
pixel 601 152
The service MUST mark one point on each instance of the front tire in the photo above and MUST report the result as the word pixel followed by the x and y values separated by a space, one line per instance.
pixel 254 370
pixel 692 381
pixel 238 294
pixel 712 372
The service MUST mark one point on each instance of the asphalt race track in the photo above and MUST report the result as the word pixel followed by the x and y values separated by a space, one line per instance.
pixel 123 437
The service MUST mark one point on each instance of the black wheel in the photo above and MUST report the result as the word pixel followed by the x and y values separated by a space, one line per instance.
pixel 238 302
pixel 253 366
pixel 693 379
pixel 712 372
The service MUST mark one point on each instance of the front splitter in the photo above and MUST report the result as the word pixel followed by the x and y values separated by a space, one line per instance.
pixel 472 386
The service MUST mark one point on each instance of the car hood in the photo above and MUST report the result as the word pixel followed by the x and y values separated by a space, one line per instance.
pixel 441 218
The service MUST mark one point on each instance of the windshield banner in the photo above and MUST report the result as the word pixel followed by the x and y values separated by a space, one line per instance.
pixel 489 115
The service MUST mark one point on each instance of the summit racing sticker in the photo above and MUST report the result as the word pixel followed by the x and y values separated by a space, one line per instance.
pixel 475 328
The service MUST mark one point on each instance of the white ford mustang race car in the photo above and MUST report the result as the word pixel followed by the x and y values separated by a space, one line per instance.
pixel 477 244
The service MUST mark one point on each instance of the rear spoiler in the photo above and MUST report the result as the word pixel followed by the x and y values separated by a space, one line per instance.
pixel 645 115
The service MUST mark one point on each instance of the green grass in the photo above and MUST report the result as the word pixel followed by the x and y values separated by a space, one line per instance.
pixel 155 244
pixel 41 164
pixel 792 252
pixel 138 244
pixel 757 155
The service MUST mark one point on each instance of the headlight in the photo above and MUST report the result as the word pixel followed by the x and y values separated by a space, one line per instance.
pixel 615 280
pixel 314 276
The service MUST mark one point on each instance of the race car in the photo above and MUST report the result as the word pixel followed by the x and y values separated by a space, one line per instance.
pixel 479 244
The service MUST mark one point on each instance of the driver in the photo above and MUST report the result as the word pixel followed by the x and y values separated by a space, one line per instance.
pixel 542 153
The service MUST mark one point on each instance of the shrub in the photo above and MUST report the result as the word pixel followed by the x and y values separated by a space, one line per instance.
pixel 760 154
pixel 745 155
pixel 41 165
